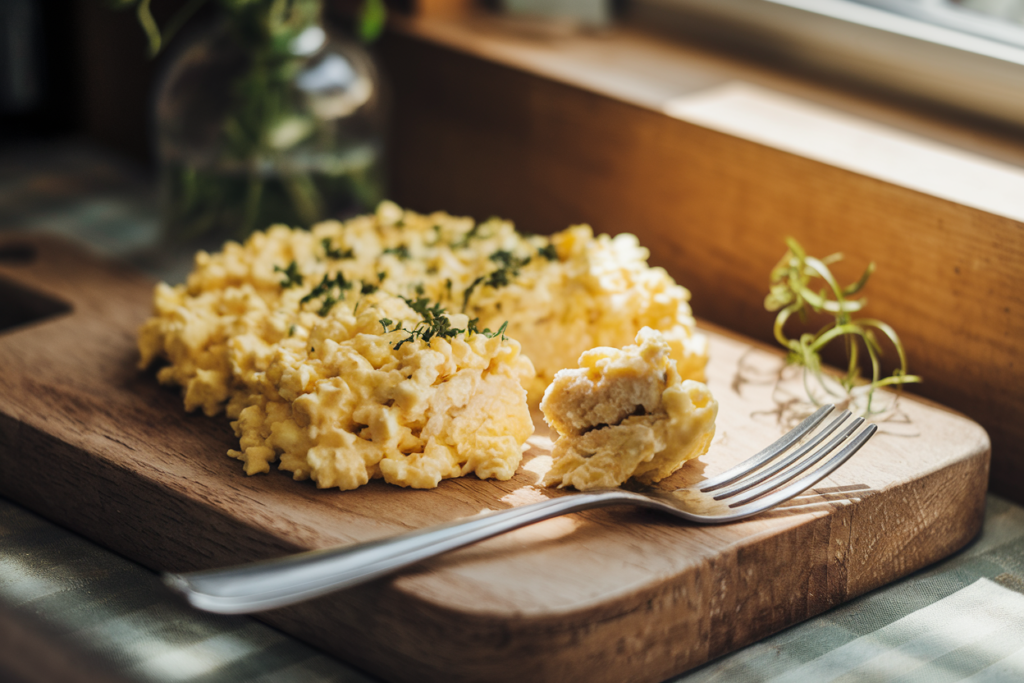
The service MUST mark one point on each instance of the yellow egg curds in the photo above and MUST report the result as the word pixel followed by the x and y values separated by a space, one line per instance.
pixel 295 334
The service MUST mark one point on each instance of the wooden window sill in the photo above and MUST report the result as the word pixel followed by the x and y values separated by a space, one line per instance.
pixel 712 161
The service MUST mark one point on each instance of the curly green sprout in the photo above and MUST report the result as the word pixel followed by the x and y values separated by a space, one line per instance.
pixel 791 292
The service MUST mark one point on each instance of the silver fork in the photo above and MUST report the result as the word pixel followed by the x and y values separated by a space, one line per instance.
pixel 753 486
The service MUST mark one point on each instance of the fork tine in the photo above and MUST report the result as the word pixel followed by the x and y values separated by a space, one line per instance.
pixel 770 453
pixel 795 471
pixel 804 449
pixel 806 482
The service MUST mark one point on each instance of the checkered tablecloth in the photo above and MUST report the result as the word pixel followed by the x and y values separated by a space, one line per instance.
pixel 72 611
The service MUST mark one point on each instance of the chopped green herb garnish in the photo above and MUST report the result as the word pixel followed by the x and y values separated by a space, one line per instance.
pixel 486 331
pixel 291 331
pixel 498 278
pixel 507 259
pixel 292 276
pixel 469 291
pixel 508 267
pixel 333 252
pixel 472 233
pixel 422 306
pixel 401 251
pixel 549 252
pixel 435 323
pixel 419 289
pixel 328 304
pixel 327 288
pixel 368 288
pixel 464 240
pixel 509 262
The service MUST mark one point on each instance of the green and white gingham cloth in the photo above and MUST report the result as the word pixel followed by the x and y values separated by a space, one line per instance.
pixel 959 620
pixel 67 605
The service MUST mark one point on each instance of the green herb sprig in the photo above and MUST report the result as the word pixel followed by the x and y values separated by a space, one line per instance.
pixel 472 234
pixel 335 253
pixel 548 252
pixel 791 293
pixel 401 251
pixel 508 267
pixel 472 328
pixel 326 289
pixel 435 323
pixel 292 276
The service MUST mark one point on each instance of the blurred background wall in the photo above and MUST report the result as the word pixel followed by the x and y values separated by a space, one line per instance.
pixel 39 83
pixel 80 68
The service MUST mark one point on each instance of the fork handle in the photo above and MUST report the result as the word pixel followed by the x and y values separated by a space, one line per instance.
pixel 285 581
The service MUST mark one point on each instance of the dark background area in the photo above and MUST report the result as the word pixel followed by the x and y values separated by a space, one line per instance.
pixel 78 68
pixel 38 85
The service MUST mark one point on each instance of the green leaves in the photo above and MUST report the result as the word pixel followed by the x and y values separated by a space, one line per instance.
pixel 149 26
pixel 331 289
pixel 508 268
pixel 435 323
pixel 292 276
pixel 401 251
pixel 548 252
pixel 791 292
pixel 372 17
pixel 470 235
pixel 334 252
pixel 156 38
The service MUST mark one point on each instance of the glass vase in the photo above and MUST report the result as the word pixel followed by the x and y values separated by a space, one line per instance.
pixel 257 131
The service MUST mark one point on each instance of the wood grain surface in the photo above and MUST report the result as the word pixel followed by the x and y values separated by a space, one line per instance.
pixel 551 132
pixel 606 595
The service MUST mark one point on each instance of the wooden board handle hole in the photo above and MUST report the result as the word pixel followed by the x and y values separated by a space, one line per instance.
pixel 17 254
pixel 21 306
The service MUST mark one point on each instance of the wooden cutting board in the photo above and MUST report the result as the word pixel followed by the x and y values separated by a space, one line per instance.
pixel 606 595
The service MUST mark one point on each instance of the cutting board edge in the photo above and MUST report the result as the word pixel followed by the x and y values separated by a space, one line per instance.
pixel 106 524
pixel 551 649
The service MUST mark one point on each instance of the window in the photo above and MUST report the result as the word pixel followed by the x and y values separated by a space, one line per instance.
pixel 968 54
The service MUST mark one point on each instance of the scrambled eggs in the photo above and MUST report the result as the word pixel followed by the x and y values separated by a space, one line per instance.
pixel 364 349
pixel 626 413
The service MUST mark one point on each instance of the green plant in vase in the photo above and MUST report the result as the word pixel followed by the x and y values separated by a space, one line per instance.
pixel 265 117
